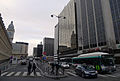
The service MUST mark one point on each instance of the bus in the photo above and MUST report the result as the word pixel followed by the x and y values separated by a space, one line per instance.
pixel 103 62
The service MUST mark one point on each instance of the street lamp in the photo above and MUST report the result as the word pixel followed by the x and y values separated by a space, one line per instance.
pixel 59 17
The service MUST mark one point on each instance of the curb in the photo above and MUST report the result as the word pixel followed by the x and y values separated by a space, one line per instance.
pixel 48 76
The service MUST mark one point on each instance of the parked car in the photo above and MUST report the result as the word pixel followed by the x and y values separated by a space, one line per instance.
pixel 86 71
pixel 23 62
pixel 64 65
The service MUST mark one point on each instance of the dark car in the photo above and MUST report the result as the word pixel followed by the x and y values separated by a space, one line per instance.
pixel 86 71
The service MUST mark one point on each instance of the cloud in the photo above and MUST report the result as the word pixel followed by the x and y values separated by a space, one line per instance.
pixel 31 18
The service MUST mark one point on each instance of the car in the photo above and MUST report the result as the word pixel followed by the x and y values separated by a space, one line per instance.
pixel 65 65
pixel 86 71
pixel 23 62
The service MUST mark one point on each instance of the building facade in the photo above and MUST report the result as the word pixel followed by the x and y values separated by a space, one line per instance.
pixel 39 50
pixel 67 31
pixel 20 50
pixel 48 46
pixel 5 44
pixel 90 25
pixel 35 51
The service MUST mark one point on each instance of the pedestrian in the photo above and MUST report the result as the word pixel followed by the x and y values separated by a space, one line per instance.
pixel 29 67
pixel 34 68
pixel 52 66
pixel 63 69
pixel 57 68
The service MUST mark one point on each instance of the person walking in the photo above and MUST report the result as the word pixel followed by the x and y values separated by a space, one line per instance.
pixel 57 68
pixel 52 66
pixel 34 68
pixel 29 67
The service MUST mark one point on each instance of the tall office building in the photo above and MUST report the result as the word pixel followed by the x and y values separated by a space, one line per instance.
pixel 48 46
pixel 39 50
pixel 35 51
pixel 90 25
pixel 11 31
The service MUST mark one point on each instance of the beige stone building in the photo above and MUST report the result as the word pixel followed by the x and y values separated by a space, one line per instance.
pixel 20 49
pixel 5 44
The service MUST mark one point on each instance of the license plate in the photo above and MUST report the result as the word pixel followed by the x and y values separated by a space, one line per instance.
pixel 93 74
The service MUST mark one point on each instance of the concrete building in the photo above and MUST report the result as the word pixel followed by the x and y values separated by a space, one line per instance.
pixel 35 51
pixel 11 31
pixel 39 50
pixel 90 25
pixel 5 44
pixel 20 49
pixel 48 48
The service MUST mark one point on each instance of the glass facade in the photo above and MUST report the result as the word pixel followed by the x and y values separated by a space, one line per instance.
pixel 84 24
pixel 67 30
pixel 99 23
pixel 115 10
pixel 91 24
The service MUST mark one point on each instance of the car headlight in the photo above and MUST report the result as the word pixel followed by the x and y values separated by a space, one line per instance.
pixel 86 72
pixel 115 67
pixel 96 72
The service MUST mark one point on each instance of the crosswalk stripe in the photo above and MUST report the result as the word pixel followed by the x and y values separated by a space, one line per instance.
pixel 4 73
pixel 60 72
pixel 102 75
pixel 32 74
pixel 72 74
pixel 17 74
pixel 24 74
pixel 38 74
pixel 111 75
pixel 20 74
pixel 10 74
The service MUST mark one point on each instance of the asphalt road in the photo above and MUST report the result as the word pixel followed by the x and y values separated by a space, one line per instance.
pixel 19 73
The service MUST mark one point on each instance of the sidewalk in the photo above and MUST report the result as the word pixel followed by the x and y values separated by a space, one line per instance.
pixel 45 70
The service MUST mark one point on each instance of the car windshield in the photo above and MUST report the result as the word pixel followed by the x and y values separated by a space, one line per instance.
pixel 87 67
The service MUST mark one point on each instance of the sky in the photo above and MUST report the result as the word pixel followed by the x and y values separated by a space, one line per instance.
pixel 31 19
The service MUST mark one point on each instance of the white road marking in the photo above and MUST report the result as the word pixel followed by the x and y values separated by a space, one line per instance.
pixel 10 74
pixel 4 73
pixel 38 74
pixel 72 74
pixel 17 74
pixel 111 75
pixel 24 74
pixel 117 75
pixel 102 75
pixel 60 72
pixel 32 74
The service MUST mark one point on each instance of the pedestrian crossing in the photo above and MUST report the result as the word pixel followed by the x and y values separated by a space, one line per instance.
pixel 24 74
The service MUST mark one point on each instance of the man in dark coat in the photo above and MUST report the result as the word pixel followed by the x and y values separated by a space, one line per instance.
pixel 29 67
pixel 52 66
pixel 34 68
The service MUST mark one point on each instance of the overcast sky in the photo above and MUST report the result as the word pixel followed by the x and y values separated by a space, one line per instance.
pixel 31 18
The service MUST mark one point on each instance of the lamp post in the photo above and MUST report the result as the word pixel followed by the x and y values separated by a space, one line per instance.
pixel 58 17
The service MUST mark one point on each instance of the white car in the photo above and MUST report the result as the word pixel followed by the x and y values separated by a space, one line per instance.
pixel 23 62
pixel 65 65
